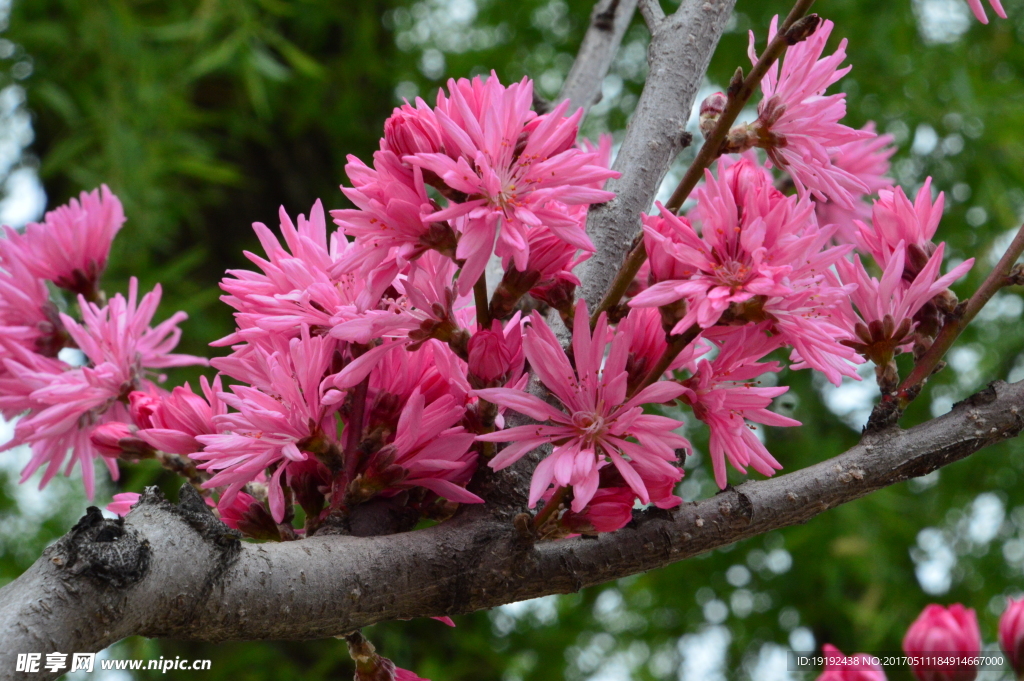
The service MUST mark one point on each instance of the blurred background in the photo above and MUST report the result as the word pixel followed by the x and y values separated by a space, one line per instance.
pixel 206 115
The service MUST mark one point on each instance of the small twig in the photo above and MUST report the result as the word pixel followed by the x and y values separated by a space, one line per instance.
pixel 608 23
pixel 740 91
pixel 652 13
pixel 999 277
pixel 483 315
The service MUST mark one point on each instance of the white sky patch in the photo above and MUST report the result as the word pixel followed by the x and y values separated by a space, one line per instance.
pixel 703 654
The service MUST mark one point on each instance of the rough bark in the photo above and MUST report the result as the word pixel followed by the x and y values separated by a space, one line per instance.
pixel 175 571
pixel 680 51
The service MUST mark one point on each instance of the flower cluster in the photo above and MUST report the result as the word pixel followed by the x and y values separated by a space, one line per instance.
pixel 369 367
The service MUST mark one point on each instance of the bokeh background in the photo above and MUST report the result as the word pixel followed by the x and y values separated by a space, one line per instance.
pixel 206 115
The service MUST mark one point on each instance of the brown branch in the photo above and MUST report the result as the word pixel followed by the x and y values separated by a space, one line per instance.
pixel 997 279
pixel 169 571
pixel 739 94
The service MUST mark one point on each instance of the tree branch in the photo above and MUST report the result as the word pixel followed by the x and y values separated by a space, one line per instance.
pixel 608 23
pixel 679 54
pixel 175 571
pixel 652 13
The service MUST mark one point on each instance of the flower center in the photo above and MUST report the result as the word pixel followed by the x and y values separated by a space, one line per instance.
pixel 590 426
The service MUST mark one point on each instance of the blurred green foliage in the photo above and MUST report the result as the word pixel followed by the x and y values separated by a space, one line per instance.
pixel 206 115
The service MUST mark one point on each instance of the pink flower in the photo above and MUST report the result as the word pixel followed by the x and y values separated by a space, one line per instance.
pixel 297 286
pixel 171 422
pixel 886 308
pixel 115 439
pixel 504 168
pixel 723 394
pixel 387 223
pixel 123 503
pixel 979 10
pixel 1011 634
pixel 26 313
pixel 119 334
pixel 868 160
pixel 598 418
pixel 798 125
pixel 644 326
pixel 65 404
pixel 760 257
pixel 859 668
pixel 895 221
pixel 280 418
pixel 432 450
pixel 939 631
pixel 71 245
pixel 412 130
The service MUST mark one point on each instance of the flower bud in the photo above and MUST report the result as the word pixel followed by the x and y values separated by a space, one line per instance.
pixel 117 439
pixel 711 110
pixel 492 354
pixel 143 408
pixel 940 631
pixel 858 667
pixel 411 131
pixel 1011 634
pixel 249 515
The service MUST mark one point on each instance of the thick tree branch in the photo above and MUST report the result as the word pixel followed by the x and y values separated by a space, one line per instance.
pixel 679 54
pixel 175 571
pixel 608 23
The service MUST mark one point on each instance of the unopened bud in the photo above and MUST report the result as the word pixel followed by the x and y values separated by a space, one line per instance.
pixel 711 110
pixel 116 439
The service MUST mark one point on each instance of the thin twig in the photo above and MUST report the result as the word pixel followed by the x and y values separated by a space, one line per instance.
pixel 997 279
pixel 740 91
pixel 652 13
pixel 550 507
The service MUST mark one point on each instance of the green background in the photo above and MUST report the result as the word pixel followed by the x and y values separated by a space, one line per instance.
pixel 206 115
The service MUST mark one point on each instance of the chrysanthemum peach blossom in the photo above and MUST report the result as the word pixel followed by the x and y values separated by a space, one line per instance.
pixel 71 245
pixel 798 124
pixel 598 417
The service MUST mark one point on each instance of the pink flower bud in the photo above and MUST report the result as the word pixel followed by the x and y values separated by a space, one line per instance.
pixel 143 408
pixel 116 439
pixel 412 131
pixel 496 353
pixel 1011 634
pixel 859 667
pixel 710 110
pixel 939 631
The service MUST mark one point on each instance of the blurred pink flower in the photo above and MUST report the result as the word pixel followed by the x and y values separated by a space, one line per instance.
pixel 942 631
pixel 1011 634
pixel 859 668
pixel 71 245
pixel 598 418
pixel 65 404
pixel 123 503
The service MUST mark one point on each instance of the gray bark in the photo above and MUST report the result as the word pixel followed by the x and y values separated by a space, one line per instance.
pixel 680 51
pixel 608 23
pixel 175 571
